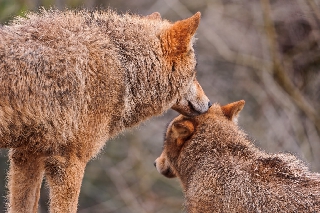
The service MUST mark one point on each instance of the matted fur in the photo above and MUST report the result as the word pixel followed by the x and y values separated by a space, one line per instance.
pixel 222 171
pixel 71 80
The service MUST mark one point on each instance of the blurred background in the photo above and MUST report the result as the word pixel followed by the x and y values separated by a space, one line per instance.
pixel 265 52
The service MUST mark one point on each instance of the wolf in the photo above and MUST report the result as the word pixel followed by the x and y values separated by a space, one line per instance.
pixel 71 80
pixel 221 170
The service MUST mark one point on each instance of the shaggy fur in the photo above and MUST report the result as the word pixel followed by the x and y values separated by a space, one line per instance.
pixel 222 171
pixel 71 80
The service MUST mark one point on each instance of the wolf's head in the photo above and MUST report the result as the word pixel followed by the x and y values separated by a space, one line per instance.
pixel 187 136
pixel 177 48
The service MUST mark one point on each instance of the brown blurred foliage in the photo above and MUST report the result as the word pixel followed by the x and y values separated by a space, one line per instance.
pixel 265 52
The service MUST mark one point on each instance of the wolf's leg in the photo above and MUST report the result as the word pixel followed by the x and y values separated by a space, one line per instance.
pixel 25 177
pixel 64 176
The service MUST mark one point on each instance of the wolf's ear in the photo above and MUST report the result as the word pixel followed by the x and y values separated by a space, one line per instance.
pixel 177 39
pixel 231 111
pixel 182 130
pixel 154 16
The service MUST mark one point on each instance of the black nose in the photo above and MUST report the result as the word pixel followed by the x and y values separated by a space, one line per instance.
pixel 209 104
pixel 155 164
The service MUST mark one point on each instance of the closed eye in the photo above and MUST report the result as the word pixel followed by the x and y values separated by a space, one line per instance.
pixel 173 66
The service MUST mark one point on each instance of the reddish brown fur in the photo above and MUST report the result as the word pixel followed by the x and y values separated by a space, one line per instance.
pixel 71 80
pixel 179 36
pixel 222 171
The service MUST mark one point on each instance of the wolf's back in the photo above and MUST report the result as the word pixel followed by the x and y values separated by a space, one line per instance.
pixel 53 71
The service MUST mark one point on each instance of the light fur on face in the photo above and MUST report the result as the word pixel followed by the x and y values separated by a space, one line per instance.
pixel 163 167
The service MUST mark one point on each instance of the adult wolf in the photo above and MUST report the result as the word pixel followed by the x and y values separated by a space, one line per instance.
pixel 71 80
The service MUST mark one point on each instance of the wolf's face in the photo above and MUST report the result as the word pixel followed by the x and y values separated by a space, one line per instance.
pixel 177 49
pixel 178 131
pixel 183 130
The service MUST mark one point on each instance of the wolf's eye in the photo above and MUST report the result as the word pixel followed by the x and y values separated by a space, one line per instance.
pixel 173 66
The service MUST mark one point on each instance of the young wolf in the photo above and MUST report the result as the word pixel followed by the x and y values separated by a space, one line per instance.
pixel 222 171
pixel 69 81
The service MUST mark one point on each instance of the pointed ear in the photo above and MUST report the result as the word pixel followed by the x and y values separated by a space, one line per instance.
pixel 177 39
pixel 182 130
pixel 154 16
pixel 231 111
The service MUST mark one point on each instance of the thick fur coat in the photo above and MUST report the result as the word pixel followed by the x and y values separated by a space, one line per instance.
pixel 222 171
pixel 71 80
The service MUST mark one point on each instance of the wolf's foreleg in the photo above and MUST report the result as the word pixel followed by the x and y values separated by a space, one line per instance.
pixel 25 178
pixel 64 175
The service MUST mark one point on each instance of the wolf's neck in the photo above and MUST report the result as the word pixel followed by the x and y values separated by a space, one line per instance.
pixel 147 94
pixel 149 91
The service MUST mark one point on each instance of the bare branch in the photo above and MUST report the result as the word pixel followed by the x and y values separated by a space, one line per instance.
pixel 279 70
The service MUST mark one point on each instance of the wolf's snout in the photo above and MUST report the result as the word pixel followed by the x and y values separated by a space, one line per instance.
pixel 155 164
pixel 195 102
